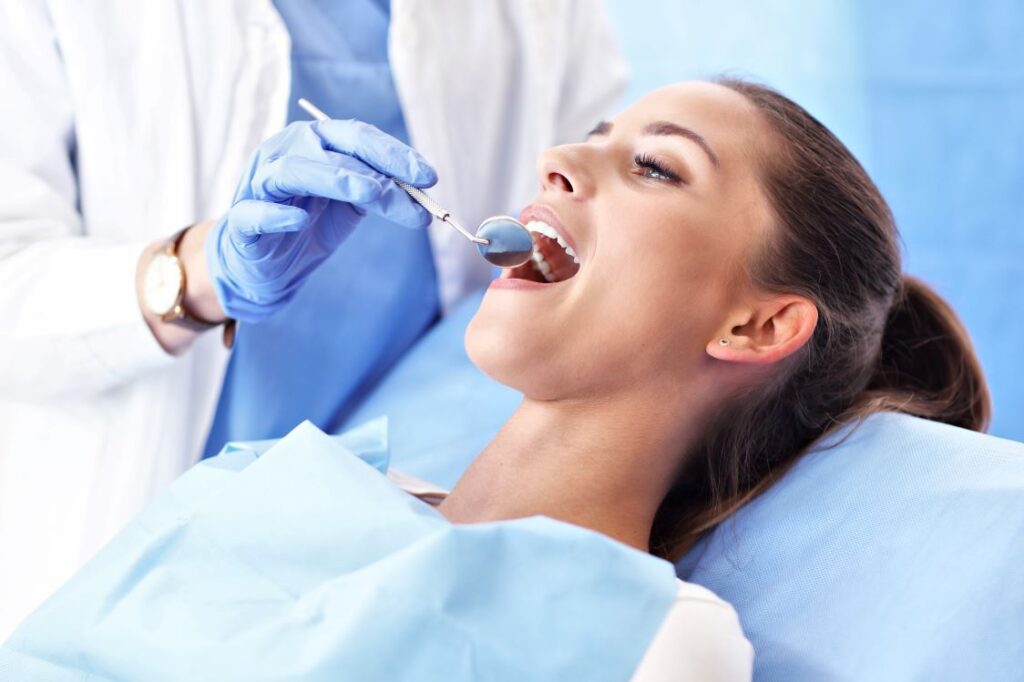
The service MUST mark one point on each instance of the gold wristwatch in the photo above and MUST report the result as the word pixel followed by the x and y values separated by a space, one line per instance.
pixel 163 287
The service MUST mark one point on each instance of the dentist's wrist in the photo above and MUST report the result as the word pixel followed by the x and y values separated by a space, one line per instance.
pixel 200 297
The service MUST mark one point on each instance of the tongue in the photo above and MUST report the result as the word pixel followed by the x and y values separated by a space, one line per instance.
pixel 527 270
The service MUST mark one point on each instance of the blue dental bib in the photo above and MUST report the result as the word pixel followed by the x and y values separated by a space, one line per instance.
pixel 298 559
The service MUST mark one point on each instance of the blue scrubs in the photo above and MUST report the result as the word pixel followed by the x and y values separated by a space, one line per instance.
pixel 370 301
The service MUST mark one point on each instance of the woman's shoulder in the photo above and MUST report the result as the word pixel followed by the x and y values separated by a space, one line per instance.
pixel 700 639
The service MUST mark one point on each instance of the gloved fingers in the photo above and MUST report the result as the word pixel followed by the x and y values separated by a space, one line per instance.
pixel 341 221
pixel 393 202
pixel 251 218
pixel 376 149
pixel 297 176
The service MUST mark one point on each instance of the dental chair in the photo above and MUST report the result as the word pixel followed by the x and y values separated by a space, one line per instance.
pixel 893 551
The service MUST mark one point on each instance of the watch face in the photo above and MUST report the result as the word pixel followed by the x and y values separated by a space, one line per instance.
pixel 161 285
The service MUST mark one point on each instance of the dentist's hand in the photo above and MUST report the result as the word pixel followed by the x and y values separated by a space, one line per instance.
pixel 304 191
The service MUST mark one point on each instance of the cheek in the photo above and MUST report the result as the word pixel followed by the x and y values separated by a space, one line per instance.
pixel 646 323
pixel 642 310
pixel 655 302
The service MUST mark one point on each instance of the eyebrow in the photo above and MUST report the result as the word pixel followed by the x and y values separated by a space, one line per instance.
pixel 665 128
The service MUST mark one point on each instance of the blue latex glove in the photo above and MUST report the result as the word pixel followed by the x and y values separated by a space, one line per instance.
pixel 304 191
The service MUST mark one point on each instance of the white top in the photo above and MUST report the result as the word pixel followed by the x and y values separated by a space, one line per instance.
pixel 122 122
pixel 700 639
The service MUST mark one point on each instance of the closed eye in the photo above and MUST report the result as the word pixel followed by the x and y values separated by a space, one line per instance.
pixel 649 167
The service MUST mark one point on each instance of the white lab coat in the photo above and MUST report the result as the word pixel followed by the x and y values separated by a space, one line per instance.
pixel 122 121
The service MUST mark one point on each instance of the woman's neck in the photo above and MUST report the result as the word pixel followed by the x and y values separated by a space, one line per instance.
pixel 602 465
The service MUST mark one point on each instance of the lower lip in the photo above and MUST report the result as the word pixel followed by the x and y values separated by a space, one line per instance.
pixel 521 284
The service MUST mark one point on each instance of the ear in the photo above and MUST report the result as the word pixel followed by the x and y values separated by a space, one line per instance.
pixel 770 330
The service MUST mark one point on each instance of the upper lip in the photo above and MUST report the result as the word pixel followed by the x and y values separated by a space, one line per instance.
pixel 546 214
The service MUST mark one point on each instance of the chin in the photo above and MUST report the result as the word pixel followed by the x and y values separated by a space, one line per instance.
pixel 503 350
pixel 488 346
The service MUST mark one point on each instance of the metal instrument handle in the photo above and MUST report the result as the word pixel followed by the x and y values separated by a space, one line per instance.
pixel 421 198
pixel 418 195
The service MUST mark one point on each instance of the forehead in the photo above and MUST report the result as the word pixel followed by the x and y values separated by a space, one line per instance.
pixel 726 119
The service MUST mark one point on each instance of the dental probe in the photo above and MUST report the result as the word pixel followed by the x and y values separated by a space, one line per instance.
pixel 501 240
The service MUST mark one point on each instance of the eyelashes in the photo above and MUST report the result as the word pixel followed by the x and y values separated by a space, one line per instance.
pixel 650 167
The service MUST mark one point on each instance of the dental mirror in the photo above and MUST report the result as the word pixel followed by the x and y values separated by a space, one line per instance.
pixel 501 240
pixel 509 243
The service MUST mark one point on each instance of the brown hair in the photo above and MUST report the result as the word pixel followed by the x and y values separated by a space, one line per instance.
pixel 884 341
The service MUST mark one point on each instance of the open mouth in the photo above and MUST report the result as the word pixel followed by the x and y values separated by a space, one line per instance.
pixel 553 259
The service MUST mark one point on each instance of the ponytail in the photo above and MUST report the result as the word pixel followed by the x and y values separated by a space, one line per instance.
pixel 927 366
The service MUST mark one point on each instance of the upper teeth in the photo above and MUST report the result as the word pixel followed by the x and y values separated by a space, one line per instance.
pixel 551 233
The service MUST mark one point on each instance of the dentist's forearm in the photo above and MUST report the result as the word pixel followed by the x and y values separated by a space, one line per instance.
pixel 199 299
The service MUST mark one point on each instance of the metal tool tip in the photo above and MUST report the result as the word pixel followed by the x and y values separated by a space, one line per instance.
pixel 509 244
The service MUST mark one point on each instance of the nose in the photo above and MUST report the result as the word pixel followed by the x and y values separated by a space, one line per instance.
pixel 562 169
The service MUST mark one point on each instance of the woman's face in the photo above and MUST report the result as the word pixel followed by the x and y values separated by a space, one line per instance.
pixel 663 210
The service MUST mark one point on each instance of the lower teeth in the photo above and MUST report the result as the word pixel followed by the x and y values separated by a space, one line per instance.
pixel 542 266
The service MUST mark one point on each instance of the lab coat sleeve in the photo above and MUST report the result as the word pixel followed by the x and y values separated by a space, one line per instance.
pixel 70 322
pixel 595 76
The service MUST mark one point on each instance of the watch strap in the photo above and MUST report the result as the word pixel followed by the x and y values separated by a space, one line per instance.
pixel 179 314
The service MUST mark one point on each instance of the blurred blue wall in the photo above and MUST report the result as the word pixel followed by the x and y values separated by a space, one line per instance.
pixel 928 95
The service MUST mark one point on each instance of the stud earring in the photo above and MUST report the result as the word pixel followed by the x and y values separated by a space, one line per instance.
pixel 724 342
